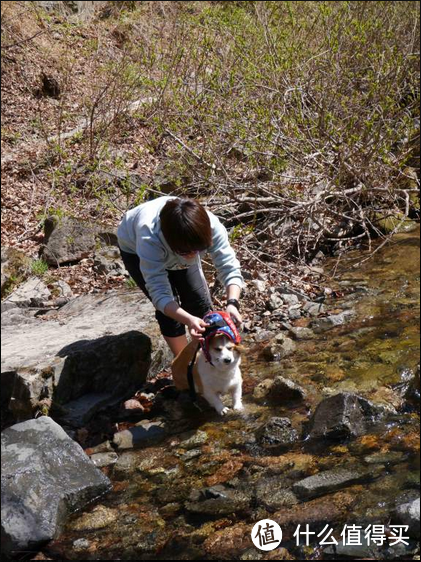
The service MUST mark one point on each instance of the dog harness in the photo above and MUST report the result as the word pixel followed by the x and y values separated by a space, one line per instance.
pixel 217 323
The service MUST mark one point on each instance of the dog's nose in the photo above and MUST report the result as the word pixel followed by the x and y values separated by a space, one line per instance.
pixel 227 360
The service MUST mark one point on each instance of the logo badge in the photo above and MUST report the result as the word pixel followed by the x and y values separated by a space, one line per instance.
pixel 266 534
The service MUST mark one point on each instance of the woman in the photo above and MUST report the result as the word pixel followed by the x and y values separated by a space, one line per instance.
pixel 161 242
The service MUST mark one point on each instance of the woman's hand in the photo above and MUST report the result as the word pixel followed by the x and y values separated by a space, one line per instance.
pixel 235 315
pixel 196 327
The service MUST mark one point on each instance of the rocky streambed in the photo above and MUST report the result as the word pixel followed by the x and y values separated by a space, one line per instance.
pixel 329 441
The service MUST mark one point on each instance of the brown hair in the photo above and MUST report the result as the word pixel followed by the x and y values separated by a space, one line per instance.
pixel 185 225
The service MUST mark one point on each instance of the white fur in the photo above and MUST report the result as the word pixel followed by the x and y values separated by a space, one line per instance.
pixel 223 376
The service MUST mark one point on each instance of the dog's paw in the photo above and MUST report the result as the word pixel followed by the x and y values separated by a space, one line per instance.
pixel 224 411
pixel 238 407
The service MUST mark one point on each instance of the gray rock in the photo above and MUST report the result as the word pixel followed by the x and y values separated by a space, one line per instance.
pixel 314 308
pixel 285 390
pixel 126 464
pixel 281 347
pixel 61 289
pixel 86 347
pixel 33 289
pixel 141 435
pixel 409 514
pixel 323 324
pixel 275 302
pixel 290 300
pixel 294 313
pixel 104 459
pixel 217 501
pixel 272 493
pixel 108 261
pixel 67 240
pixel 45 476
pixel 331 481
pixel 342 416
pixel 276 435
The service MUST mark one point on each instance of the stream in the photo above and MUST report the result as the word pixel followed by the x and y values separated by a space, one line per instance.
pixel 197 494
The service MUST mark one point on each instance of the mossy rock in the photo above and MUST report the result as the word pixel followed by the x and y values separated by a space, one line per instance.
pixel 15 268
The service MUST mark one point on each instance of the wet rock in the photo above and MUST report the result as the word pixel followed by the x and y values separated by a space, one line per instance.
pixel 170 510
pixel 285 390
pixel 331 481
pixel 104 447
pixel 323 324
pixel 99 518
pixel 218 500
pixel 81 544
pixel 264 335
pixel 279 348
pixel 190 455
pixel 363 551
pixel 45 476
pixel 170 494
pixel 315 513
pixel 391 457
pixel 104 459
pixel 409 514
pixel 273 493
pixel 126 464
pixel 194 439
pixel 342 416
pixel 141 435
pixel 229 543
pixel 276 435
pixel 262 390
pixel 33 289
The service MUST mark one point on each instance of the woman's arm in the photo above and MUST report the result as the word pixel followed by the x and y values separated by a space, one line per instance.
pixel 196 325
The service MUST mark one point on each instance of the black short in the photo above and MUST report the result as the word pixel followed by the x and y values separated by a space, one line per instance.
pixel 189 287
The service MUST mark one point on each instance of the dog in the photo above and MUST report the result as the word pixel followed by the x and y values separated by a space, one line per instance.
pixel 216 371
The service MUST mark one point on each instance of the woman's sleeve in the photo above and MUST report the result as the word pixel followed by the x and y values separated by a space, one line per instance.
pixel 223 256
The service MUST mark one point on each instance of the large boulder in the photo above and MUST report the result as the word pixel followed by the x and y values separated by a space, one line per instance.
pixel 343 415
pixel 68 239
pixel 93 352
pixel 45 476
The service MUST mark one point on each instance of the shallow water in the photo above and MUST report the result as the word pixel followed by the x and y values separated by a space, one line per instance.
pixel 146 516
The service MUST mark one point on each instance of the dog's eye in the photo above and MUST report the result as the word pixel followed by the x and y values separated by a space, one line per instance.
pixel 218 348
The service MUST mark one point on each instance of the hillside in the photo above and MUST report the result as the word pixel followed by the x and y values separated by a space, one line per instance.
pixel 298 123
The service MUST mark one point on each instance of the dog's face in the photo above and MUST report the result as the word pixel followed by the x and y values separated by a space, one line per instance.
pixel 225 355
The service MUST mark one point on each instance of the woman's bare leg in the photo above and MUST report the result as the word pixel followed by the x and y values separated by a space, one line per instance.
pixel 176 344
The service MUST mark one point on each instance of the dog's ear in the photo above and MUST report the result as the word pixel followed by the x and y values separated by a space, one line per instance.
pixel 240 348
